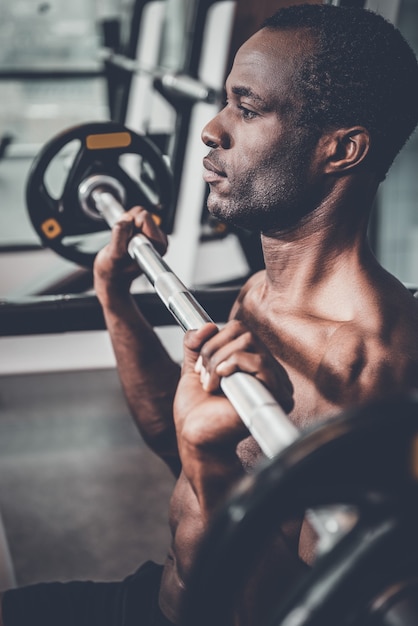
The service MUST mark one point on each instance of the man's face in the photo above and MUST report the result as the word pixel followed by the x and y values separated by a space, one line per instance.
pixel 259 162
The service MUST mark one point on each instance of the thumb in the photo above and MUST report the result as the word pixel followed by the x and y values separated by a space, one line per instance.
pixel 122 233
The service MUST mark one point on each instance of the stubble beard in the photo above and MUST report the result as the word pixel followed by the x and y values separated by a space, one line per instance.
pixel 268 200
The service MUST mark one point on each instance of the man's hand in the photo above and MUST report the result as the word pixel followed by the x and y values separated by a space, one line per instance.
pixel 204 419
pixel 113 267
pixel 235 348
pixel 208 427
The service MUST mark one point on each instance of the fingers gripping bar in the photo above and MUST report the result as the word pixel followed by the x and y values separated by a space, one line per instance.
pixel 256 406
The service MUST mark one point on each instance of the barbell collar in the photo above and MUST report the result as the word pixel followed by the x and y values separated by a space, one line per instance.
pixel 94 183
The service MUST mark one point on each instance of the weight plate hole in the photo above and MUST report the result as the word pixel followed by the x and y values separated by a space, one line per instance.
pixel 57 170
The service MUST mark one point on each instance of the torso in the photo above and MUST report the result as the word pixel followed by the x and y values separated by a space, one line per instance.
pixel 186 529
pixel 332 364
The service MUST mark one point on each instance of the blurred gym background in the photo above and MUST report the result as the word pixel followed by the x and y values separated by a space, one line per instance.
pixel 80 496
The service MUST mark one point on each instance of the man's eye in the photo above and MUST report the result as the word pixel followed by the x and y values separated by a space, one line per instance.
pixel 247 113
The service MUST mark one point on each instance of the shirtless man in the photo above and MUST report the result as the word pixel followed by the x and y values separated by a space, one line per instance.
pixel 318 103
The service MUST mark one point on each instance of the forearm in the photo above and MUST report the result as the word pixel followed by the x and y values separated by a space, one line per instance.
pixel 211 474
pixel 148 375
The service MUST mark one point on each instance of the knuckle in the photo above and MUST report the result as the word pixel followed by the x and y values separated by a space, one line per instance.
pixel 206 354
pixel 136 210
pixel 247 339
pixel 232 362
pixel 260 363
pixel 236 327
pixel 123 223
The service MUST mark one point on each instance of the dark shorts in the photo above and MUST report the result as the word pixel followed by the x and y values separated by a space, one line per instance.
pixel 130 602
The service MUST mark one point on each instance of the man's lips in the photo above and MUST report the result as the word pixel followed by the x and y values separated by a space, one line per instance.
pixel 212 173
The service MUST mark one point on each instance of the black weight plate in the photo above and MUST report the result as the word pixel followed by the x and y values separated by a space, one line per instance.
pixel 106 148
pixel 366 457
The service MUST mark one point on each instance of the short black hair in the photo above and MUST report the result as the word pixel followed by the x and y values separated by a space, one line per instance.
pixel 362 72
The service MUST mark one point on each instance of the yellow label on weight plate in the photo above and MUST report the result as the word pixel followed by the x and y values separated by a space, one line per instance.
pixel 51 228
pixel 105 141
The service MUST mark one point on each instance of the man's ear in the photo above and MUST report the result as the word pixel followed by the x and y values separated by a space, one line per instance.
pixel 346 148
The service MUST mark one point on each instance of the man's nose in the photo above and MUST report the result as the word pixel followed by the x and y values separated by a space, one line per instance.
pixel 214 134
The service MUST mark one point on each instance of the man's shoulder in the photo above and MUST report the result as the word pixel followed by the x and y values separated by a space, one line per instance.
pixel 365 362
pixel 253 281
pixel 247 291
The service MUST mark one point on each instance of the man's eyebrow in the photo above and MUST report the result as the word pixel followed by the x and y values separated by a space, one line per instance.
pixel 249 93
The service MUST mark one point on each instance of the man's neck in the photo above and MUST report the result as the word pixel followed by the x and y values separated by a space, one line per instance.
pixel 314 262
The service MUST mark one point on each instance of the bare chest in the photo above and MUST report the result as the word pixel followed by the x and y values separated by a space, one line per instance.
pixel 299 344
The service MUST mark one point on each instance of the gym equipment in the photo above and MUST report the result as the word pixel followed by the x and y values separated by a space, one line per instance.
pixel 176 85
pixel 366 457
pixel 78 312
pixel 73 230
